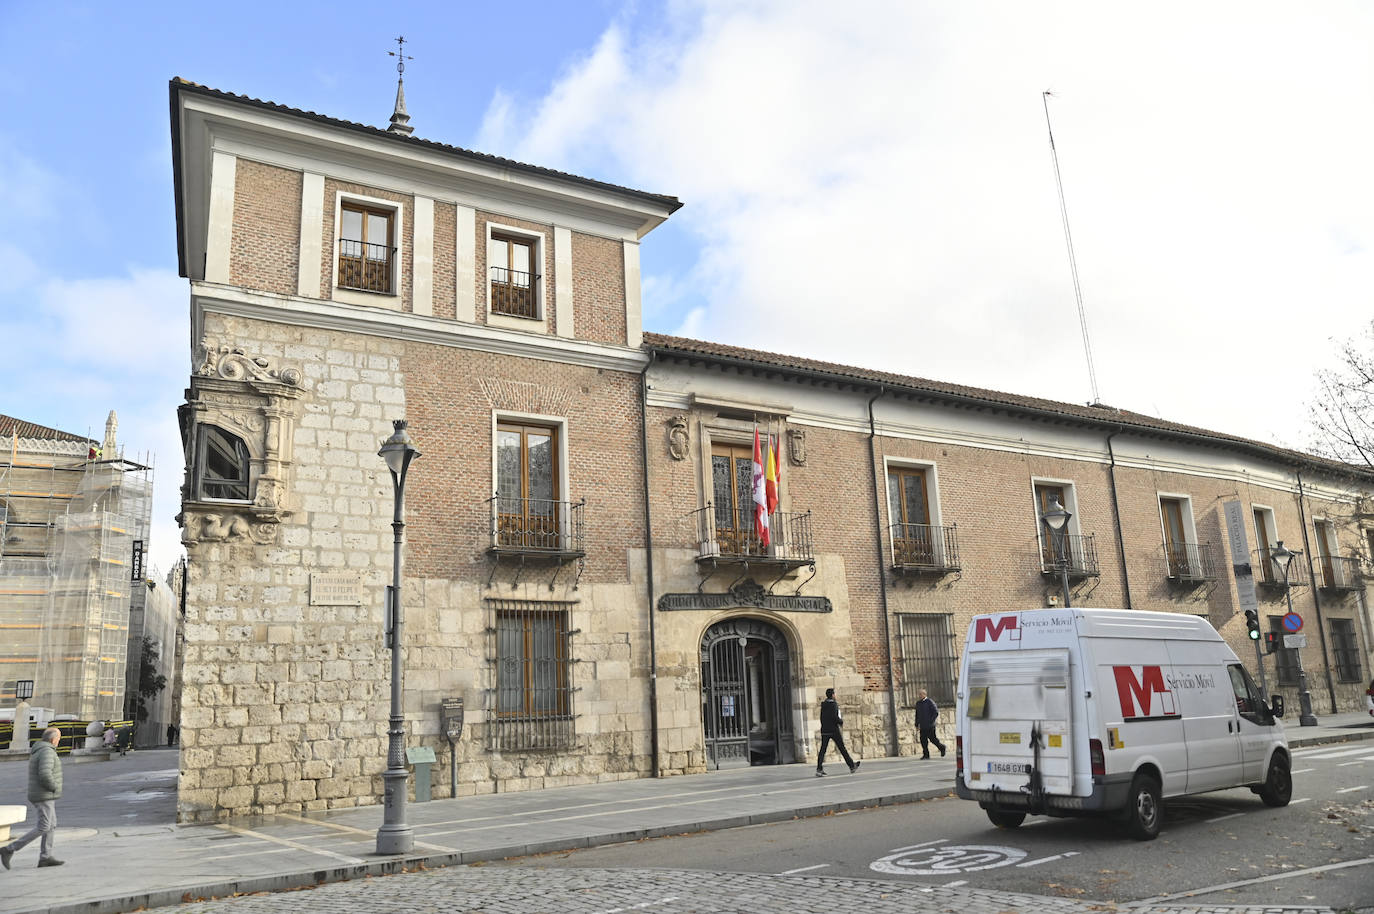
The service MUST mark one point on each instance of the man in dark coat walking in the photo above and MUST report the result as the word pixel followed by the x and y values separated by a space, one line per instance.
pixel 830 730
pixel 926 715
pixel 45 787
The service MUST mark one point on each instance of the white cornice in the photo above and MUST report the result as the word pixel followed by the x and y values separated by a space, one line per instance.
pixel 416 328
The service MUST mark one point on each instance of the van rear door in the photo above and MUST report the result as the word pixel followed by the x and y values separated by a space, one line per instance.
pixel 1016 700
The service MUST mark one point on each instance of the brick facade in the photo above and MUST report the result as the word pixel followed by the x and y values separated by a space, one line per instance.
pixel 286 688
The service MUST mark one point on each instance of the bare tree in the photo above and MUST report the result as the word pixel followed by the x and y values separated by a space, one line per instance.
pixel 1343 415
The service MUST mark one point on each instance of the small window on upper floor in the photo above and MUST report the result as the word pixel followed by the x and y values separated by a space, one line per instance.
pixel 367 248
pixel 512 262
pixel 221 467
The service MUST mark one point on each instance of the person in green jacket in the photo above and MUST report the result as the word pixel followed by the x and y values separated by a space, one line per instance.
pixel 45 787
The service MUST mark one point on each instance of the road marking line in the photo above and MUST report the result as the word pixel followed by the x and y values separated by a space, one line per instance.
pixel 1303 800
pixel 641 906
pixel 1358 761
pixel 1336 753
pixel 1048 859
pixel 1302 771
pixel 1352 789
pixel 296 845
pixel 1207 890
pixel 915 847
pixel 950 885
pixel 803 869
pixel 1224 818
pixel 339 826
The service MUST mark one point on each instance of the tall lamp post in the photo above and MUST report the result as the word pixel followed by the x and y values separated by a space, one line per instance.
pixel 396 836
pixel 1283 558
pixel 1056 521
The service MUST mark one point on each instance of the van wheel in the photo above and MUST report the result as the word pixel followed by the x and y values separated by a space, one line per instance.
pixel 1143 812
pixel 1004 819
pixel 1277 789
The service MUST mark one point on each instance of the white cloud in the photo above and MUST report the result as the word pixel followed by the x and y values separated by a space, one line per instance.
pixel 872 184
pixel 108 343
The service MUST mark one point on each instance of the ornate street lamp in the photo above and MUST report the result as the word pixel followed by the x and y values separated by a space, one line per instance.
pixel 1283 558
pixel 1056 521
pixel 396 836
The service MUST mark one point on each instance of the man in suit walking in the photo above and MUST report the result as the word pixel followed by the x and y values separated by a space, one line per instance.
pixel 830 731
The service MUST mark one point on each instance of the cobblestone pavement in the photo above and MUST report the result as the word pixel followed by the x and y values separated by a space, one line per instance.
pixel 537 890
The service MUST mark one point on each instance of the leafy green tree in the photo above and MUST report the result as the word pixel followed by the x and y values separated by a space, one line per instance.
pixel 150 681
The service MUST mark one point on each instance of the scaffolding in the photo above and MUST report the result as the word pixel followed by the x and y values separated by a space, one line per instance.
pixel 73 534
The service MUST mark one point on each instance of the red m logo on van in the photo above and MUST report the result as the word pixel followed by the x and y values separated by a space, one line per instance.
pixel 1145 696
pixel 993 629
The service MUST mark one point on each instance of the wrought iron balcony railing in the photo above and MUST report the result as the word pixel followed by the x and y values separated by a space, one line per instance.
pixel 1190 563
pixel 729 536
pixel 1079 557
pixel 1337 572
pixel 1267 572
pixel 538 526
pixel 365 266
pixel 514 292
pixel 925 547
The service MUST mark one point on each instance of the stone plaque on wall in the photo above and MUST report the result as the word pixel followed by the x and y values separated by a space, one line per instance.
pixel 328 588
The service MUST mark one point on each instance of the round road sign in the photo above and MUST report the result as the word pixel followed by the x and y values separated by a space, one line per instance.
pixel 1292 622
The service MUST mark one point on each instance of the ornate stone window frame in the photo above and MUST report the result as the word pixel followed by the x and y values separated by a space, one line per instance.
pixel 258 401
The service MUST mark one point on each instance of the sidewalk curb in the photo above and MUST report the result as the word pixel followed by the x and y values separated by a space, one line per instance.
pixel 414 863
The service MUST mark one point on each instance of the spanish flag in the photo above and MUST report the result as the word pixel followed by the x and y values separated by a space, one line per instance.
pixel 770 475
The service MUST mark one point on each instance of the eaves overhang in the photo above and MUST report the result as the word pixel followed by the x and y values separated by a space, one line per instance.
pixel 1110 420
pixel 202 117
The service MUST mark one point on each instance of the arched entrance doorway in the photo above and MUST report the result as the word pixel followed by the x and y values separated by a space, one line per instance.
pixel 746 694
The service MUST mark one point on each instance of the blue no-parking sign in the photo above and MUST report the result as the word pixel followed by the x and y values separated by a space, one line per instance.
pixel 1292 622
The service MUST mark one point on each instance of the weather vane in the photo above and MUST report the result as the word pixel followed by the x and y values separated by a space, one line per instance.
pixel 401 58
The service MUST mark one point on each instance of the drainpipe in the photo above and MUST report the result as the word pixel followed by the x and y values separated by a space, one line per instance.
pixel 649 562
pixel 1116 518
pixel 1316 595
pixel 882 575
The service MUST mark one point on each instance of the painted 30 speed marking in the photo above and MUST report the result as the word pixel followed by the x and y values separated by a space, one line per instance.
pixel 930 859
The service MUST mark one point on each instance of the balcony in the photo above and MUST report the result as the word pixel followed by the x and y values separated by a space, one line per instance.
pixel 1190 563
pixel 1268 574
pixel 1338 573
pixel 365 266
pixel 1080 556
pixel 537 527
pixel 924 548
pixel 723 538
pixel 513 293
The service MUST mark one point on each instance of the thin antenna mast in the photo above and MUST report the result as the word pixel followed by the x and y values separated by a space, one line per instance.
pixel 1073 261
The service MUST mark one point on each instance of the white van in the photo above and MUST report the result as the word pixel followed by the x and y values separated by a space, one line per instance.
pixel 1071 712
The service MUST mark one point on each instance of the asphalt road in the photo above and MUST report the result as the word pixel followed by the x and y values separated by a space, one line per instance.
pixel 1224 848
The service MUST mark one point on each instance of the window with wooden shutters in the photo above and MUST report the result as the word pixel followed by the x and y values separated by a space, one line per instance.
pixel 533 684
pixel 367 248
pixel 527 472
pixel 512 262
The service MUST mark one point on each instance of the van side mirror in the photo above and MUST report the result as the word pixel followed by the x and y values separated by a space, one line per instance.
pixel 1276 705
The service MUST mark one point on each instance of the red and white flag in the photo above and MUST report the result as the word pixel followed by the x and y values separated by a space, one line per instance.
pixel 760 494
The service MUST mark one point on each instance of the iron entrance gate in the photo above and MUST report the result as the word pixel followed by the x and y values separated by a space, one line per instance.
pixel 746 695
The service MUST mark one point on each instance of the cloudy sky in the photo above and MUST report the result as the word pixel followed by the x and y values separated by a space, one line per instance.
pixel 864 182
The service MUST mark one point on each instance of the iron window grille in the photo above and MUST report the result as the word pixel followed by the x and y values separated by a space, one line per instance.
pixel 926 643
pixel 532 700
pixel 1345 651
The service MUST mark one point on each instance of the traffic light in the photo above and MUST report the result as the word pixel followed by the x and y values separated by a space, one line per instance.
pixel 1252 624
pixel 1271 642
